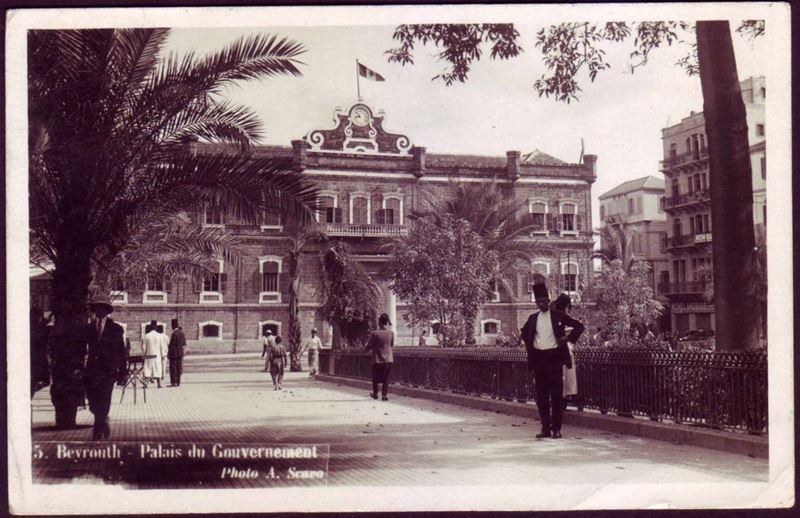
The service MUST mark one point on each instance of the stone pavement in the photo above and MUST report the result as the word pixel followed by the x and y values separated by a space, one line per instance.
pixel 403 442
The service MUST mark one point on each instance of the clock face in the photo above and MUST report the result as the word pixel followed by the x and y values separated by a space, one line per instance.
pixel 360 116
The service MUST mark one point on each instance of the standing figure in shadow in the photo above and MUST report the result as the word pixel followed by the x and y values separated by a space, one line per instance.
pixel 106 350
pixel 381 342
pixel 563 303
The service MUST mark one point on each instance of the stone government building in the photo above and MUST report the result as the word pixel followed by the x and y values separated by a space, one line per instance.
pixel 369 181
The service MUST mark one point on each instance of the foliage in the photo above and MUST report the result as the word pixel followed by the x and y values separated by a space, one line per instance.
pixel 442 269
pixel 110 126
pixel 625 301
pixel 616 244
pixel 298 235
pixel 351 297
pixel 567 48
pixel 461 45
pixel 493 216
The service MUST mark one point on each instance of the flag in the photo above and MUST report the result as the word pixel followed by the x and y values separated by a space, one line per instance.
pixel 369 74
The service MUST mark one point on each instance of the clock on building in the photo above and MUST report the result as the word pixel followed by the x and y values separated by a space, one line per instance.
pixel 360 115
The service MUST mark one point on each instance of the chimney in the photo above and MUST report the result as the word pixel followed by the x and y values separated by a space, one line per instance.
pixel 590 163
pixel 512 165
pixel 300 154
pixel 418 153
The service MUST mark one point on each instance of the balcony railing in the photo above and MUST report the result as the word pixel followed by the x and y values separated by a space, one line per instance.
pixel 669 202
pixel 725 390
pixel 685 158
pixel 688 240
pixel 677 288
pixel 364 230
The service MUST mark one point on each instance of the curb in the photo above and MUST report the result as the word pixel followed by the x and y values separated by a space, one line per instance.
pixel 754 446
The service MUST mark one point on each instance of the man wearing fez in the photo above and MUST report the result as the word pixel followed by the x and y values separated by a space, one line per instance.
pixel 106 350
pixel 546 344
pixel 177 344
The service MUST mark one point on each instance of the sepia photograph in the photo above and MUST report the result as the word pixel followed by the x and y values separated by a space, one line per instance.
pixel 399 258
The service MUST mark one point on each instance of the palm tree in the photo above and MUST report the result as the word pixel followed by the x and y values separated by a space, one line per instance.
pixel 299 236
pixel 616 243
pixel 492 214
pixel 111 131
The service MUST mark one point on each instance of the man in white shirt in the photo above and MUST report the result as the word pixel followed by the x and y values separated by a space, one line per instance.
pixel 546 344
pixel 313 345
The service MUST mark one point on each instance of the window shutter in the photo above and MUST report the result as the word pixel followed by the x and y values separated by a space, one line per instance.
pixel 389 216
pixel 257 280
pixel 223 282
pixel 337 215
pixel 283 282
pixel 380 217
pixel 579 222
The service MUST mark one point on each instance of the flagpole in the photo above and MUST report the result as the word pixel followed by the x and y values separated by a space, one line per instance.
pixel 358 82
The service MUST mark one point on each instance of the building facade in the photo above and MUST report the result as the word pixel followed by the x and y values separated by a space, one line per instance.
pixel 369 181
pixel 636 205
pixel 687 202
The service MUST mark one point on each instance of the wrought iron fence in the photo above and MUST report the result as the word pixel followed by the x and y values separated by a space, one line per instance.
pixel 722 390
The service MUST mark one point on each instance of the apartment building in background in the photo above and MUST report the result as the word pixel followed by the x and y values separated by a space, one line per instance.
pixel 687 203
pixel 635 206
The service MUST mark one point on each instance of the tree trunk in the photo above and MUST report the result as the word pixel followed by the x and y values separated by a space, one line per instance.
pixel 70 290
pixel 469 328
pixel 294 323
pixel 336 339
pixel 730 175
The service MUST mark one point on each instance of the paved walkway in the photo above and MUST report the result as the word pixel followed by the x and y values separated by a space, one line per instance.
pixel 404 442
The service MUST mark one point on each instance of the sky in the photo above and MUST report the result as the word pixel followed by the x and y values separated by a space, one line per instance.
pixel 619 116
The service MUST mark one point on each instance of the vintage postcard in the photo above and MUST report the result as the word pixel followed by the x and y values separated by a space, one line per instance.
pixel 396 258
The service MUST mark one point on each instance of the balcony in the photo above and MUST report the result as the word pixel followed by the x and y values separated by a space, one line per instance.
pixel 686 199
pixel 683 288
pixel 688 240
pixel 364 230
pixel 685 158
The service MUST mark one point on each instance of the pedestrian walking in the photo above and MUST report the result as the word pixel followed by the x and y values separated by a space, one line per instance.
pixel 563 303
pixel 269 341
pixel 546 345
pixel 313 345
pixel 381 342
pixel 423 338
pixel 176 351
pixel 276 359
pixel 151 349
pixel 106 349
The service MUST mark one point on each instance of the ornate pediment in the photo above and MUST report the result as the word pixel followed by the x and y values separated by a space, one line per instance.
pixel 358 130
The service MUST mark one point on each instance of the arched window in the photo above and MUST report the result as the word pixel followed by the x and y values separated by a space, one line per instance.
pixel 360 206
pixel 568 218
pixel 329 212
pixel 272 325
pixel 538 215
pixel 569 276
pixel 210 330
pixel 391 211
pixel 213 286
pixel 269 268
pixel 490 326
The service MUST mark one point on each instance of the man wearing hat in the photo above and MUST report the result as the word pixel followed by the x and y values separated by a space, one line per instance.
pixel 151 349
pixel 269 343
pixel 313 345
pixel 106 349
pixel 177 344
pixel 546 344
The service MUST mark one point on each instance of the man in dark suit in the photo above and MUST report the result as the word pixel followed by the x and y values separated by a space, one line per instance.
pixel 177 344
pixel 106 348
pixel 546 344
